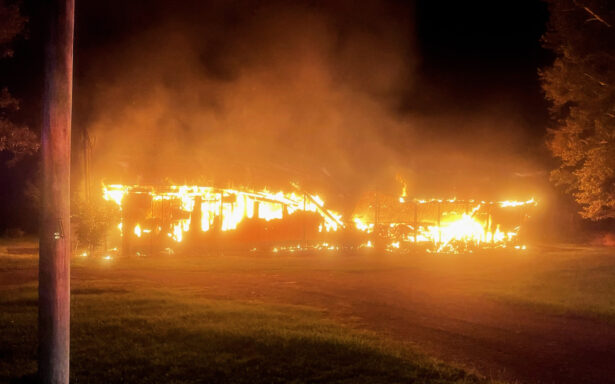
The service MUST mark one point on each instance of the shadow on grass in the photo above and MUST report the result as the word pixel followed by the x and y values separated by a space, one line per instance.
pixel 210 356
pixel 157 337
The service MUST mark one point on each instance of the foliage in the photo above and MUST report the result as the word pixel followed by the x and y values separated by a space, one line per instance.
pixel 92 221
pixel 13 24
pixel 16 139
pixel 581 88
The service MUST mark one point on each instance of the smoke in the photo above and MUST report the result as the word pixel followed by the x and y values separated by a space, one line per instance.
pixel 325 94
pixel 258 94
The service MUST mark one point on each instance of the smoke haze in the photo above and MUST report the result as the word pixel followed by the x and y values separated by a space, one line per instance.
pixel 264 93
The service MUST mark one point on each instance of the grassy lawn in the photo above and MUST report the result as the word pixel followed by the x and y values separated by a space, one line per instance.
pixel 164 336
pixel 203 326
pixel 568 280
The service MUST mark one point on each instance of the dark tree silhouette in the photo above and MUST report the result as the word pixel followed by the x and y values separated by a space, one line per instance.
pixel 15 139
pixel 581 88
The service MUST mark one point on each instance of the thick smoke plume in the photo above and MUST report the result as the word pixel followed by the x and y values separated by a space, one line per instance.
pixel 259 95
pixel 325 94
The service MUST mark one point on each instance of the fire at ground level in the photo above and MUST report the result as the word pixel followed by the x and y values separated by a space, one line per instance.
pixel 151 220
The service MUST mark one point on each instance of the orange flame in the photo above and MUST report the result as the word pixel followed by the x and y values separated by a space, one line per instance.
pixel 229 206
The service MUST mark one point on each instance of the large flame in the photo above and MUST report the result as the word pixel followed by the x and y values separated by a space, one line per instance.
pixel 459 225
pixel 450 230
pixel 227 207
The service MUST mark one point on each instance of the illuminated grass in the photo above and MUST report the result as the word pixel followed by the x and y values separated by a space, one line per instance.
pixel 155 336
pixel 575 281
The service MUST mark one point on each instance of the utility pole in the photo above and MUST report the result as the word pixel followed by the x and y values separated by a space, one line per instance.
pixel 54 260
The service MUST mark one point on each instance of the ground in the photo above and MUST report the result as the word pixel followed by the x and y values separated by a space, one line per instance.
pixel 544 315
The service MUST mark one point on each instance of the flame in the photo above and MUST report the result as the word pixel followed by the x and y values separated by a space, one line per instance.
pixel 361 225
pixel 510 203
pixel 466 229
pixel 404 188
pixel 455 231
pixel 177 233
pixel 226 208
pixel 114 193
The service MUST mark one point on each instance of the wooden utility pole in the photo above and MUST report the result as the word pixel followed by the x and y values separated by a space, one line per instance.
pixel 54 261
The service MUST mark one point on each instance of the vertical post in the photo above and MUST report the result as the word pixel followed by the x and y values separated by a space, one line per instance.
pixel 195 220
pixel 257 207
pixel 376 214
pixel 304 219
pixel 439 219
pixel 153 230
pixel 163 219
pixel 54 258
pixel 376 222
pixel 489 223
pixel 128 224
pixel 416 206
pixel 524 217
pixel 221 210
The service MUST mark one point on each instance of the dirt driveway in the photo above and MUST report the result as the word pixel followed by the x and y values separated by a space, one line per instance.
pixel 435 302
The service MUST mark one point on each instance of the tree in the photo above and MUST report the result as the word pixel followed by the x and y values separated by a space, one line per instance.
pixel 15 139
pixel 580 84
pixel 92 220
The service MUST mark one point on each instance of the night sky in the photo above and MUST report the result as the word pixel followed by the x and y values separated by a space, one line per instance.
pixel 439 91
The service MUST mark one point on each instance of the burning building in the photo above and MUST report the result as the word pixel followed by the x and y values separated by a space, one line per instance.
pixel 155 218
pixel 444 225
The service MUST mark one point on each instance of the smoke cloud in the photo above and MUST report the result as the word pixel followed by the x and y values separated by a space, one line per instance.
pixel 282 92
pixel 265 93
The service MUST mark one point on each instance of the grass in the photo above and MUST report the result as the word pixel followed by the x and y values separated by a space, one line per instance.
pixel 161 336
pixel 126 328
pixel 572 280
